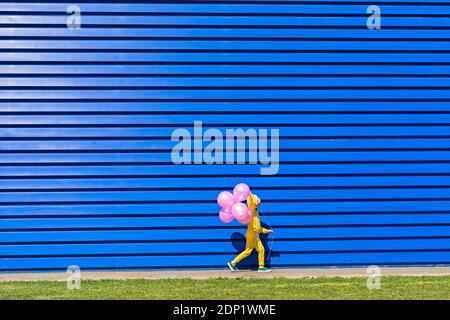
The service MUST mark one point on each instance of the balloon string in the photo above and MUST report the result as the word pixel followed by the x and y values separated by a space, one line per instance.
pixel 271 242
pixel 270 249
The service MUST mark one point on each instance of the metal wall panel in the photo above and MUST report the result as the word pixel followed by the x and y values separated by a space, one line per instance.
pixel 86 116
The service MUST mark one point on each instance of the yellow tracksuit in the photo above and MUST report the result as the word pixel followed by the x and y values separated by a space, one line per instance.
pixel 253 230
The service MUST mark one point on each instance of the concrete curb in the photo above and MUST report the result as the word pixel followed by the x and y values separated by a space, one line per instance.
pixel 208 274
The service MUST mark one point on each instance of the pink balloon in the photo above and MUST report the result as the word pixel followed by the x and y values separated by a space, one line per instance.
pixel 239 211
pixel 241 191
pixel 225 199
pixel 225 216
pixel 247 219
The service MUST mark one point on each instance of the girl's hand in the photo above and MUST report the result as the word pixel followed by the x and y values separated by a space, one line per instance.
pixel 269 231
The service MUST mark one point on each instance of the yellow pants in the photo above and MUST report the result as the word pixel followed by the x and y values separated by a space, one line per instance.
pixel 253 242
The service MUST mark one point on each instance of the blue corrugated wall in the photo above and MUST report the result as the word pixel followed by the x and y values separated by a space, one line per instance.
pixel 86 117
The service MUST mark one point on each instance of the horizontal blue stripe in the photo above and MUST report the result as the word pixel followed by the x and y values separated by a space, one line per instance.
pixel 288 82
pixel 240 108
pixel 223 58
pixel 291 144
pixel 224 8
pixel 272 182
pixel 221 247
pixel 120 158
pixel 269 208
pixel 234 231
pixel 43 45
pixel 220 260
pixel 36 67
pixel 222 95
pixel 216 33
pixel 223 170
pixel 204 196
pixel 224 21
pixel 275 221
pixel 228 120
pixel 363 130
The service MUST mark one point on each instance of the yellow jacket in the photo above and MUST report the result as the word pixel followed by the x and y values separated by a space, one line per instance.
pixel 254 226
